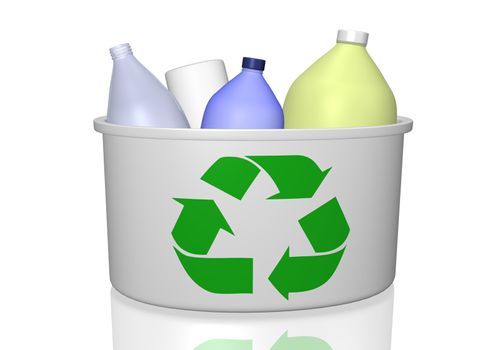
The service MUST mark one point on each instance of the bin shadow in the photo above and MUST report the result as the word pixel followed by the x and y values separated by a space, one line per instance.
pixel 366 324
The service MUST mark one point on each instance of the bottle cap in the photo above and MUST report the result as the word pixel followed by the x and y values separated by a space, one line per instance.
pixel 352 37
pixel 253 63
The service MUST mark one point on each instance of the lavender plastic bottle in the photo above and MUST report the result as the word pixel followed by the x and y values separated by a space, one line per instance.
pixel 245 102
pixel 137 97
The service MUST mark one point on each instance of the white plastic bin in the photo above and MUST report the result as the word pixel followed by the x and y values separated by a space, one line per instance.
pixel 252 220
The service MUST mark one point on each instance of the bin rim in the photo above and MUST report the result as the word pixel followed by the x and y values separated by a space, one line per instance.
pixel 402 126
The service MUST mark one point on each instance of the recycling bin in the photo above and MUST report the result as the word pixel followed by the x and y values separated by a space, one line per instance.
pixel 252 220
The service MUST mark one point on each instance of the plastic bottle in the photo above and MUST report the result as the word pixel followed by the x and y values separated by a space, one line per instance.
pixel 194 84
pixel 137 97
pixel 245 102
pixel 344 88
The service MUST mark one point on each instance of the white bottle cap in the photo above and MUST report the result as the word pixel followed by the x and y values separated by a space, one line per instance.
pixel 352 36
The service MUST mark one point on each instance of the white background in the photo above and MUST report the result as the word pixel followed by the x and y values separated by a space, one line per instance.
pixel 441 59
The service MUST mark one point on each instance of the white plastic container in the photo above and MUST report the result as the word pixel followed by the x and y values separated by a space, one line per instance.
pixel 194 84
pixel 160 237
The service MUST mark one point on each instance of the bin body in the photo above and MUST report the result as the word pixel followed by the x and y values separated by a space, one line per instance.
pixel 148 170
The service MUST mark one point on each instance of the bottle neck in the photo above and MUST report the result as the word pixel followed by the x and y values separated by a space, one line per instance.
pixel 120 51
pixel 253 71
pixel 351 45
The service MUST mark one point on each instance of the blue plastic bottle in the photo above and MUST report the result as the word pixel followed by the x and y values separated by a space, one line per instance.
pixel 245 102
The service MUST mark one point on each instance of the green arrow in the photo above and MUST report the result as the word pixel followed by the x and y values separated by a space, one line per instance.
pixel 302 273
pixel 198 225
pixel 219 275
pixel 326 227
pixel 300 343
pixel 295 176
pixel 231 175
pixel 225 344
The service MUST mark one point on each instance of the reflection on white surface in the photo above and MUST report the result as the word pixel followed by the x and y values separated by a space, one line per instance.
pixel 365 324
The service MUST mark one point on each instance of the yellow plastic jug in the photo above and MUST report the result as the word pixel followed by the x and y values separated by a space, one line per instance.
pixel 344 88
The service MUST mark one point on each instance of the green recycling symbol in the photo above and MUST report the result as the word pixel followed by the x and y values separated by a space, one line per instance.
pixel 200 221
